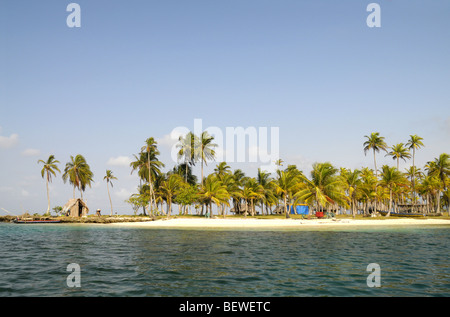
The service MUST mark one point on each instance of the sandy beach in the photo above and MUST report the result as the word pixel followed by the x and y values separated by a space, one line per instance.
pixel 279 223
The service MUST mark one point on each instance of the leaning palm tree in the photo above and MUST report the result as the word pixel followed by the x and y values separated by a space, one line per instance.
pixel 79 174
pixel 109 177
pixel 376 143
pixel 48 170
pixel 206 149
pixel 398 152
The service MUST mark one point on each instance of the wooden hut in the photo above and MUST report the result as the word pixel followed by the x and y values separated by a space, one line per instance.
pixel 75 208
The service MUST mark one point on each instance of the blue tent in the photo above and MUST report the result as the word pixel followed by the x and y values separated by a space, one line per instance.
pixel 300 209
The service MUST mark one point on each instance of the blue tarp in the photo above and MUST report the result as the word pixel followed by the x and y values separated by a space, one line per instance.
pixel 301 210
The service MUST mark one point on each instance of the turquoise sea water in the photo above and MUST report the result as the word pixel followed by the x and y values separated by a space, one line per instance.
pixel 155 262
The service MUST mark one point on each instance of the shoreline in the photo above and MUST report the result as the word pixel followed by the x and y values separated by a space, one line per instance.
pixel 252 223
pixel 246 223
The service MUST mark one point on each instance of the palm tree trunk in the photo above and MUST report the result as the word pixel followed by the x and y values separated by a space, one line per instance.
pixel 48 197
pixel 150 184
pixel 285 207
pixel 414 181
pixel 110 201
pixel 375 164
pixel 438 202
pixel 390 203
pixel 202 168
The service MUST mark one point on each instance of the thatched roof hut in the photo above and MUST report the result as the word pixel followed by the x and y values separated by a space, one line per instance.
pixel 75 208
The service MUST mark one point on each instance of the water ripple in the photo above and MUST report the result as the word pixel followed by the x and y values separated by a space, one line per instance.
pixel 136 262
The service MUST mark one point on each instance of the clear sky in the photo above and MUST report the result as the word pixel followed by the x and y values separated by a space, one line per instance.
pixel 136 69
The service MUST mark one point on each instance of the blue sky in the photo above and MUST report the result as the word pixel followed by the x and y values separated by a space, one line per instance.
pixel 137 69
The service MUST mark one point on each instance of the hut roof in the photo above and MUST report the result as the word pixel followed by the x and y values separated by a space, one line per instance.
pixel 73 202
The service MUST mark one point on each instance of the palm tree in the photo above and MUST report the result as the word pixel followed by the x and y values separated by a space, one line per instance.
pixel 440 168
pixel 213 191
pixel 430 186
pixel 185 171
pixel 398 152
pixel 268 185
pixel 206 149
pixel 325 188
pixel 286 185
pixel 376 143
pixel 252 191
pixel 187 149
pixel 221 169
pixel 151 151
pixel 109 177
pixel 233 188
pixel 390 178
pixel 49 169
pixel 79 174
pixel 368 187
pixel 353 183
pixel 169 189
pixel 414 142
pixel 238 179
pixel 279 163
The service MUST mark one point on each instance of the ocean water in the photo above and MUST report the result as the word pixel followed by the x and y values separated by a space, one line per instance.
pixel 114 261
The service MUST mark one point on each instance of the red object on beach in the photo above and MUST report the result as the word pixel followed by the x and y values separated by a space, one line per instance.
pixel 319 214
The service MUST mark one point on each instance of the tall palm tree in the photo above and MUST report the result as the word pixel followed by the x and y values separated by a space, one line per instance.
pixel 109 177
pixel 376 143
pixel 151 150
pixel 414 142
pixel 79 174
pixel 187 146
pixel 390 178
pixel 50 167
pixel 206 149
pixel 185 171
pixel 398 152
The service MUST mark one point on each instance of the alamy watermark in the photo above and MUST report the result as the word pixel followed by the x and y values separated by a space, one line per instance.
pixel 74 278
pixel 374 18
pixel 374 278
pixel 235 144
pixel 74 18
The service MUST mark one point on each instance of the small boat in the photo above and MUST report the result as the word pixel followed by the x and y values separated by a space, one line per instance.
pixel 35 221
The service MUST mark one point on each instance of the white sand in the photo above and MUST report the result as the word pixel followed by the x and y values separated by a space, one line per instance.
pixel 279 223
